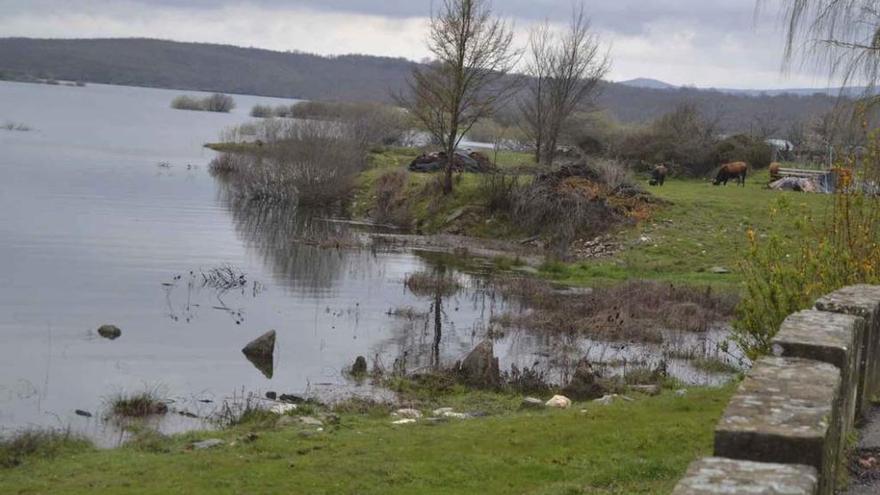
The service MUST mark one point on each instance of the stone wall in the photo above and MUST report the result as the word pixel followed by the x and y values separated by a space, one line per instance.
pixel 785 429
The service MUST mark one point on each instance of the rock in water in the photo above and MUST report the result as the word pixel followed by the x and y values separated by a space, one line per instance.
pixel 261 353
pixel 559 402
pixel 480 367
pixel 359 368
pixel 111 332
pixel 583 385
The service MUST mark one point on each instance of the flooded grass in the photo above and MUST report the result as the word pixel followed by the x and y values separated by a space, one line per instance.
pixel 138 405
pixel 636 311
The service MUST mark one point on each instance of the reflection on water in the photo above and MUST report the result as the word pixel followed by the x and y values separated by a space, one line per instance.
pixel 94 233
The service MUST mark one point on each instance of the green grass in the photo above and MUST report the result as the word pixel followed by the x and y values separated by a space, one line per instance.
pixel 619 449
pixel 704 226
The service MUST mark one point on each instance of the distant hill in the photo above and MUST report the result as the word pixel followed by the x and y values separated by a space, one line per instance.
pixel 643 82
pixel 231 69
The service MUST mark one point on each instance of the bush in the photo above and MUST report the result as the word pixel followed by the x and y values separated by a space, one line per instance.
pixel 308 162
pixel 372 124
pixel 754 151
pixel 391 205
pixel 217 102
pixel 498 191
pixel 785 274
pixel 262 111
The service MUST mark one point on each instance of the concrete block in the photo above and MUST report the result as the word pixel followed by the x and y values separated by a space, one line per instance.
pixel 831 338
pixel 862 301
pixel 717 476
pixel 784 412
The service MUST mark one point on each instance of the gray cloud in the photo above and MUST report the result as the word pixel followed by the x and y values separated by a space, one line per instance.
pixel 718 43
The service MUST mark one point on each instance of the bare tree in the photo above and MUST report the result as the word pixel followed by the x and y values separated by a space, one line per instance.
pixel 565 74
pixel 468 76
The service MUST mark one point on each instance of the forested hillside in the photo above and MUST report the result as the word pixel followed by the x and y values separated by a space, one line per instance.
pixel 209 67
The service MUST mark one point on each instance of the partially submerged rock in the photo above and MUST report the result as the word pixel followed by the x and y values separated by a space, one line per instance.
pixel 359 368
pixel 480 367
pixel 111 332
pixel 261 353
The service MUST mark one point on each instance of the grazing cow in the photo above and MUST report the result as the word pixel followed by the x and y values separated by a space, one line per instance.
pixel 735 170
pixel 658 175
pixel 774 171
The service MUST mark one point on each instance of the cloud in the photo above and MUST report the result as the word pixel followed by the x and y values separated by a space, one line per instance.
pixel 718 43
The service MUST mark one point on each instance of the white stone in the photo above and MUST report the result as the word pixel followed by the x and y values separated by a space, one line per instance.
pixel 559 402
pixel 454 415
pixel 442 411
pixel 408 413
pixel 282 409
pixel 403 422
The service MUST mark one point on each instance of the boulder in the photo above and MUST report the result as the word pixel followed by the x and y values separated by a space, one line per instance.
pixel 559 402
pixel 359 368
pixel 404 422
pixel 480 367
pixel 583 385
pixel 310 421
pixel 408 413
pixel 111 332
pixel 261 353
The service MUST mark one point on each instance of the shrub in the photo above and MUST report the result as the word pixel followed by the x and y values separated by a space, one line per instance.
pixel 309 162
pixel 371 124
pixel 262 111
pixel 498 191
pixel 757 153
pixel 785 274
pixel 142 404
pixel 216 102
pixel 391 204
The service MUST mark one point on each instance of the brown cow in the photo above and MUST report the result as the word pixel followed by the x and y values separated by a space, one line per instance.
pixel 774 171
pixel 735 170
pixel 658 175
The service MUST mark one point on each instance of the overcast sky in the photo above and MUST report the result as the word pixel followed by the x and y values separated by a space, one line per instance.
pixel 708 43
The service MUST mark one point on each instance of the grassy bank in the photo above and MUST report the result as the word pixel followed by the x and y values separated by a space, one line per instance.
pixel 702 227
pixel 625 448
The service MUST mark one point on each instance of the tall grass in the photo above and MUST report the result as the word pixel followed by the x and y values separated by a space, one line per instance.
pixel 32 443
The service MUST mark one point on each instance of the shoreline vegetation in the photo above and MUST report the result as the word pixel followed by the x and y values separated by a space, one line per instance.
pixel 216 102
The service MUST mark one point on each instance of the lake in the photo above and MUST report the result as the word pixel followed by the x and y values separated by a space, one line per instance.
pixel 108 215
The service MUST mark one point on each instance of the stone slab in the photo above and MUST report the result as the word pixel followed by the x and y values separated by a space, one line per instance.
pixel 832 338
pixel 863 301
pixel 784 412
pixel 716 476
pixel 869 435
